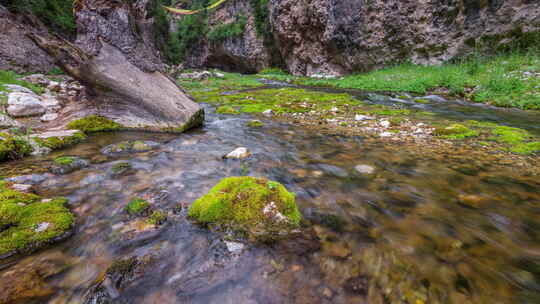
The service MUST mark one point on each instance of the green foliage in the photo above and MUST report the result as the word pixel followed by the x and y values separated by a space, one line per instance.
pixel 9 77
pixel 221 32
pixel 22 213
pixel 56 71
pixel 506 80
pixel 94 123
pixel 260 11
pixel 190 29
pixel 137 206
pixel 57 14
pixel 238 202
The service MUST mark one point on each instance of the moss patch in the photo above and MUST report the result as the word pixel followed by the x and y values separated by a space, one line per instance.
pixel 27 223
pixel 94 123
pixel 13 147
pixel 64 160
pixel 57 142
pixel 255 124
pixel 121 167
pixel 157 218
pixel 455 131
pixel 137 206
pixel 227 110
pixel 248 204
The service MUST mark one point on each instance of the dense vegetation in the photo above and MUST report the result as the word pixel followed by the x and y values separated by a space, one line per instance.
pixel 221 32
pixel 57 14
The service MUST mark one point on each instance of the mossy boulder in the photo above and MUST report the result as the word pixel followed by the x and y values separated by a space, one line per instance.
pixel 68 164
pixel 59 139
pixel 27 222
pixel 263 209
pixel 13 147
pixel 94 123
pixel 130 146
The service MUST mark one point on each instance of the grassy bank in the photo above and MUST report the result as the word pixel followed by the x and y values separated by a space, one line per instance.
pixel 511 80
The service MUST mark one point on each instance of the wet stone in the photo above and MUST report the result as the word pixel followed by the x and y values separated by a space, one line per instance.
pixel 68 164
pixel 126 147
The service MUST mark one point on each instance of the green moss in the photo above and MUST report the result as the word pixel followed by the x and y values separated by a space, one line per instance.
pixel 526 148
pixel 420 100
pixel 157 218
pixel 94 123
pixel 255 124
pixel 57 142
pixel 455 131
pixel 510 135
pixel 64 160
pixel 137 206
pixel 238 202
pixel 21 214
pixel 227 110
pixel 13 147
pixel 121 167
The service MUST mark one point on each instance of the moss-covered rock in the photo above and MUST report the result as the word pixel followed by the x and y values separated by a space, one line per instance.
pixel 27 222
pixel 94 123
pixel 59 140
pixel 13 147
pixel 264 209
pixel 157 217
pixel 68 164
pixel 455 131
pixel 121 168
pixel 137 206
pixel 227 110
pixel 130 146
pixel 255 124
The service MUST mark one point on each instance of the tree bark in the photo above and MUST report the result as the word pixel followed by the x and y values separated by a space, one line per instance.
pixel 120 68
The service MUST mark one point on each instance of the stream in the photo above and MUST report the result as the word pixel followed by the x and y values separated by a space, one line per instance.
pixel 416 230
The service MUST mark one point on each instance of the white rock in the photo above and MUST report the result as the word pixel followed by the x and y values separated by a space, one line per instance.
pixel 49 117
pixel 21 187
pixel 272 211
pixel 239 153
pixel 386 134
pixel 362 117
pixel 385 124
pixel 18 89
pixel 364 169
pixel 42 227
pixel 54 86
pixel 268 112
pixel 234 247
pixel 24 104
pixel 219 75
pixel 334 109
pixel 7 122
pixel 51 102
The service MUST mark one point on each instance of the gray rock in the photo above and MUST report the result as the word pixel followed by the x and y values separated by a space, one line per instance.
pixel 360 117
pixel 434 98
pixel 364 169
pixel 76 164
pixel 36 79
pixel 377 97
pixel 18 89
pixel 7 122
pixel 24 104
pixel 136 146
pixel 32 179
pixel 333 170
pixel 49 117
pixel 21 187
pixel 239 153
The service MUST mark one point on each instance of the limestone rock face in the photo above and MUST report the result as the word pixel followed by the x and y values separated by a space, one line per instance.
pixel 17 52
pixel 341 36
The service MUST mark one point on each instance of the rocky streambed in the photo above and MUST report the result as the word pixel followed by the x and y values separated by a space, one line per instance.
pixel 428 216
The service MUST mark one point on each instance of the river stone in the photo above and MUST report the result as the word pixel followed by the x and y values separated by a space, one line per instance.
pixel 7 122
pixel 75 164
pixel 239 153
pixel 24 104
pixel 333 170
pixel 130 147
pixel 49 117
pixel 434 98
pixel 360 117
pixel 364 169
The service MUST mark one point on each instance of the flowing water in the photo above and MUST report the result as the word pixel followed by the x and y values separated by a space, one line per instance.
pixel 419 229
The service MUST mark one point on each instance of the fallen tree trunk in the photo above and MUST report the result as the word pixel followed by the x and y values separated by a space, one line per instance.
pixel 120 68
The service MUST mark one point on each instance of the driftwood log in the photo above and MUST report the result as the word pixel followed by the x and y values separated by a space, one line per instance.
pixel 115 59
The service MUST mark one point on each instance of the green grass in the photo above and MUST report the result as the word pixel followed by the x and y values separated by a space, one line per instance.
pixel 499 80
pixel 94 123
pixel 9 77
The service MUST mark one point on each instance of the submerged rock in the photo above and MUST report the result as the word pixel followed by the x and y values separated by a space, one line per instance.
pixel 261 208
pixel 68 164
pixel 364 169
pixel 130 147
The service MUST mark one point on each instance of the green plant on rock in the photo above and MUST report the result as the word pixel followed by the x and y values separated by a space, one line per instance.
pixel 260 207
pixel 227 110
pixel 27 223
pixel 94 123
pixel 120 168
pixel 64 160
pixel 137 206
pixel 255 124
pixel 157 217
pixel 59 142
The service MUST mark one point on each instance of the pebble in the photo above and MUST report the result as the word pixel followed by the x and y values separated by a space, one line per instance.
pixel 268 112
pixel 234 247
pixel 49 117
pixel 42 227
pixel 239 153
pixel 364 169
pixel 385 124
pixel 362 117
pixel 386 134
